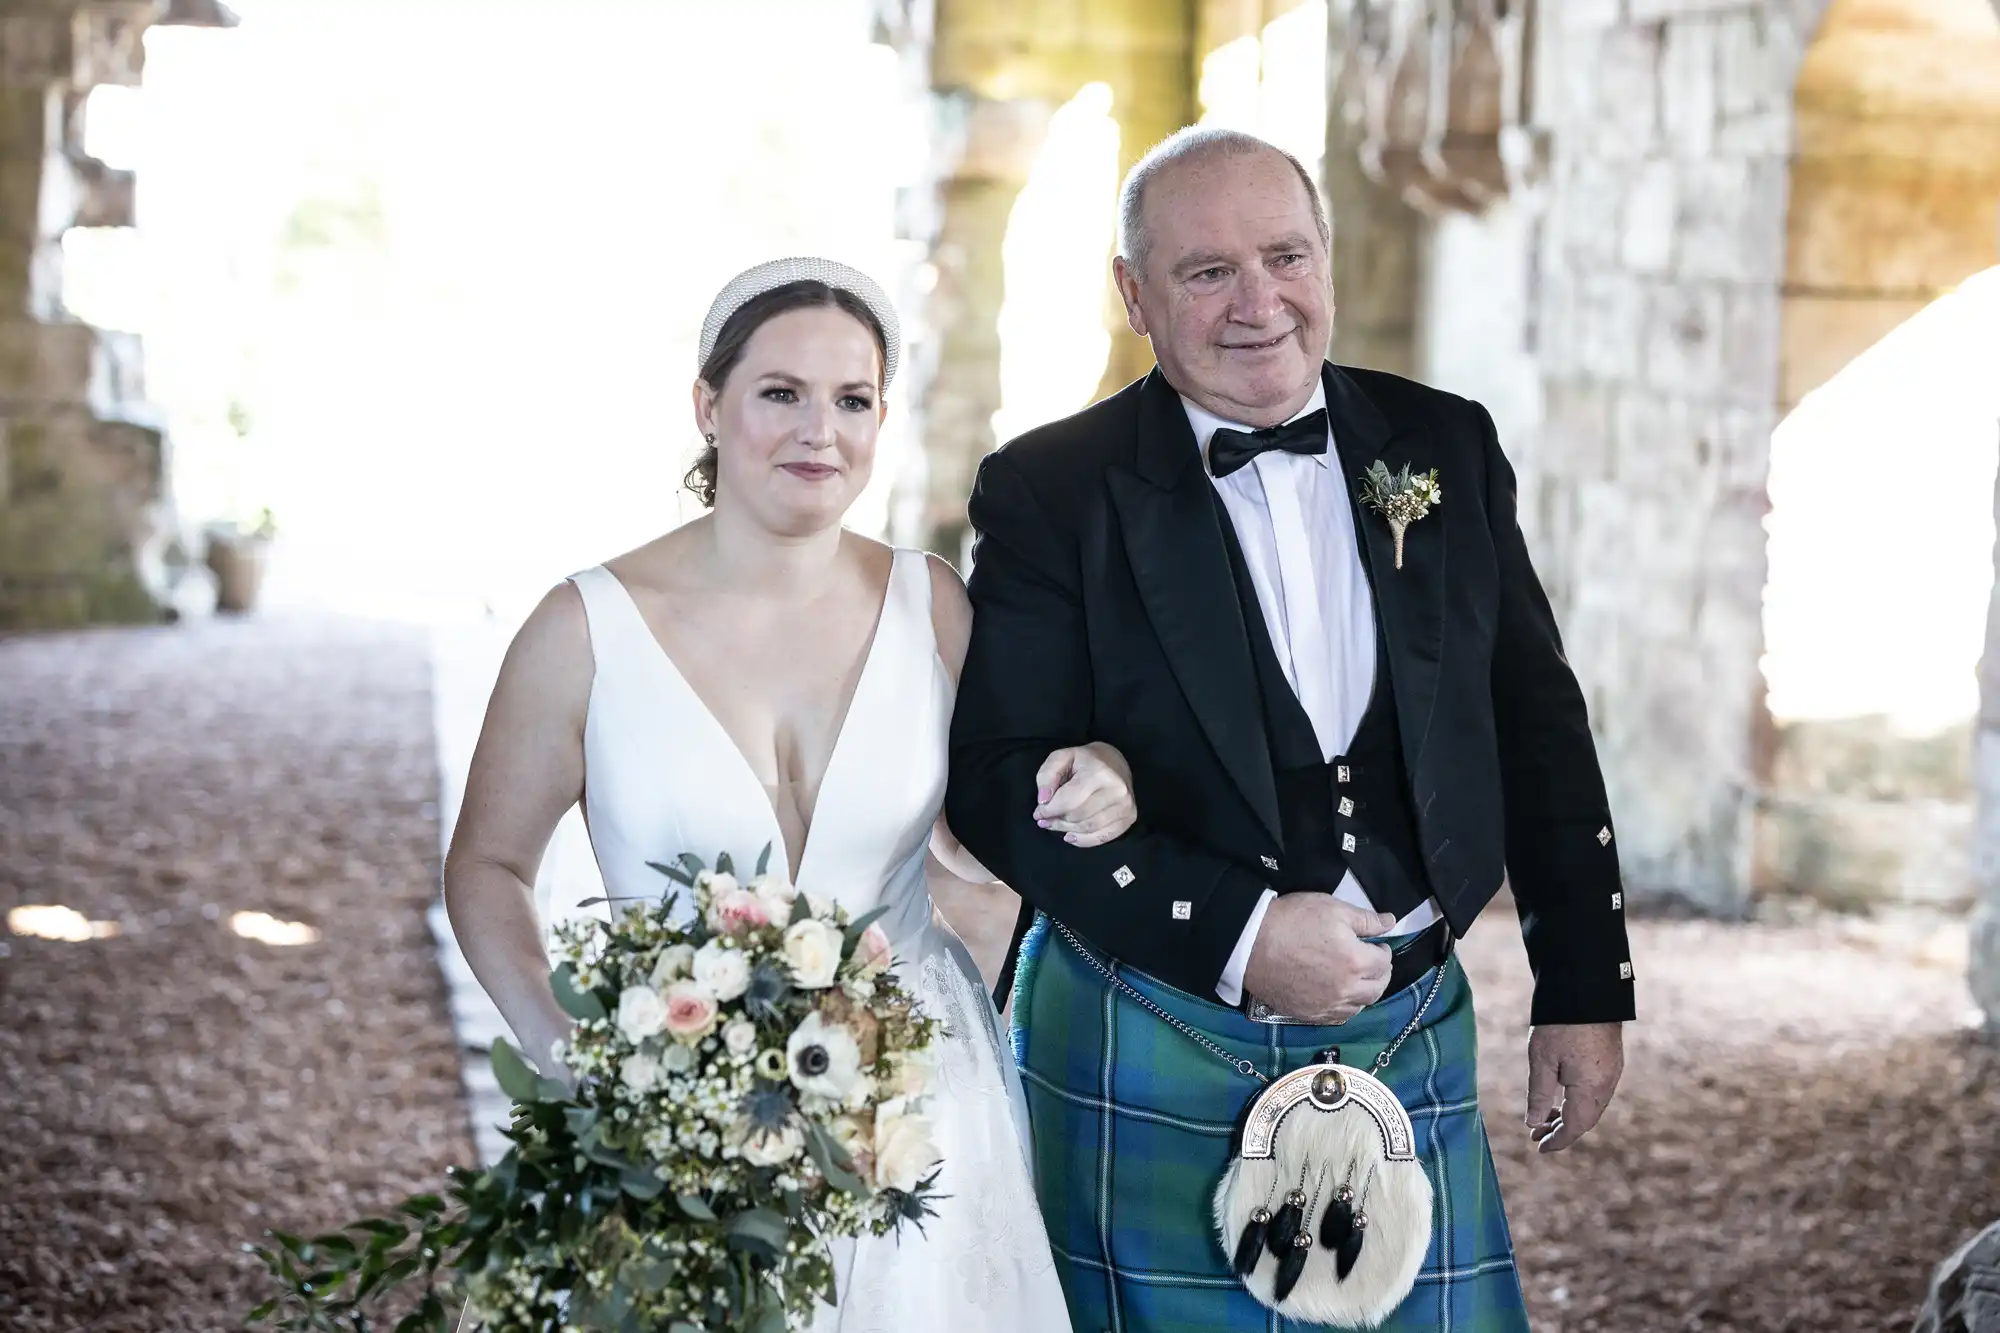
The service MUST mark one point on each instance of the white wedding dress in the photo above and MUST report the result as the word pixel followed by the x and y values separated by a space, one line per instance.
pixel 662 777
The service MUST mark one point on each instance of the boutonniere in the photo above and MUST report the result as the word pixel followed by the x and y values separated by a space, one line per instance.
pixel 1399 497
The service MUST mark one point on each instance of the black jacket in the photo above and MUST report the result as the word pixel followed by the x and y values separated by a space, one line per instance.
pixel 1104 609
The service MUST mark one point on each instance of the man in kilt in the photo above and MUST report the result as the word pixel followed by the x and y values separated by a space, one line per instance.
pixel 1347 713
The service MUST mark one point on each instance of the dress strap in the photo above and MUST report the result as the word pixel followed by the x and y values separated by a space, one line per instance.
pixel 910 594
pixel 613 615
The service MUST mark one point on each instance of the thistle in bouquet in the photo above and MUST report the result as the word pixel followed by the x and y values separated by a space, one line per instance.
pixel 750 1082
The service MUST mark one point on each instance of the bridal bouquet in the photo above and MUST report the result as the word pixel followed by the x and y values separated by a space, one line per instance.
pixel 749 1085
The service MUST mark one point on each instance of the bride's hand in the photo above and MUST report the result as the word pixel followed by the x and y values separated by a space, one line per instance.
pixel 1085 794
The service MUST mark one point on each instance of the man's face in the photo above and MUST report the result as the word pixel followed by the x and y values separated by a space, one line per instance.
pixel 1236 296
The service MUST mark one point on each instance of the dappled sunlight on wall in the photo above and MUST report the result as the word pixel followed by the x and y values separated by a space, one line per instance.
pixel 1881 525
pixel 1273 83
pixel 1053 341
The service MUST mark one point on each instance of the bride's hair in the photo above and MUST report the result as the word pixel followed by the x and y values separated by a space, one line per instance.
pixel 735 336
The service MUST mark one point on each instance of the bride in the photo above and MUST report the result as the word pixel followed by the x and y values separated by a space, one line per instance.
pixel 760 677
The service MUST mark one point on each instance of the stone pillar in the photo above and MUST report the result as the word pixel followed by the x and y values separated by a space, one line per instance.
pixel 1662 253
pixel 1985 965
pixel 987 75
pixel 82 458
pixel 1378 242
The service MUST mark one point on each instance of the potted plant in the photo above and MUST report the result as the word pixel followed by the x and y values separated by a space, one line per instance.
pixel 237 555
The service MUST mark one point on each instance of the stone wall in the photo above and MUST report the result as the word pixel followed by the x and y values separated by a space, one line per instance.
pixel 82 460
pixel 986 76
pixel 1661 259
pixel 1895 181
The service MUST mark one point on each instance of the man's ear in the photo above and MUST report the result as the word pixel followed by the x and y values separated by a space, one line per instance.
pixel 1127 282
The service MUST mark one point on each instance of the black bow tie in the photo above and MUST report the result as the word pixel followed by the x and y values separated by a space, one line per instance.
pixel 1229 450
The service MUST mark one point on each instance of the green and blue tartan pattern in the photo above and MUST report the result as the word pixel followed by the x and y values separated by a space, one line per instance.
pixel 1132 1122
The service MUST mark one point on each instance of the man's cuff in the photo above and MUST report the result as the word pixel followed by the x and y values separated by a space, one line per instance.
pixel 1230 988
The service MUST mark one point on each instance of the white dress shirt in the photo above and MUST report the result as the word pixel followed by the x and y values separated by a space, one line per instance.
pixel 1295 523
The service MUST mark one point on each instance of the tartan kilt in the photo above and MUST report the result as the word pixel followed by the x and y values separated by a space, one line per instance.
pixel 1132 1124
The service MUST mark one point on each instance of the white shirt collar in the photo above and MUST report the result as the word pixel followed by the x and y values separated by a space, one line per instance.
pixel 1206 423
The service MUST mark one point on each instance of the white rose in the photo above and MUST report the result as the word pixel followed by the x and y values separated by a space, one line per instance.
pixel 641 1072
pixel 914 1071
pixel 715 883
pixel 904 1150
pixel 856 1139
pixel 773 1148
pixel 740 1037
pixel 824 1059
pixel 777 891
pixel 675 960
pixel 813 950
pixel 724 971
pixel 641 1013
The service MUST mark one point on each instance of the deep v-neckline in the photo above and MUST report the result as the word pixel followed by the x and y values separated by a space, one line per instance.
pixel 796 873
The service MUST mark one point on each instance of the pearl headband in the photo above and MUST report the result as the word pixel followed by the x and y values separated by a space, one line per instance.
pixel 752 283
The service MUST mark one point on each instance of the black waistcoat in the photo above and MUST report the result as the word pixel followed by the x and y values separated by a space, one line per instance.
pixel 1351 813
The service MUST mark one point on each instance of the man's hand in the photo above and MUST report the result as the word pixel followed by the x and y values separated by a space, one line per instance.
pixel 1572 1071
pixel 1309 961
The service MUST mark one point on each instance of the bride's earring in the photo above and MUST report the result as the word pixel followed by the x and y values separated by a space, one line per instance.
pixel 709 439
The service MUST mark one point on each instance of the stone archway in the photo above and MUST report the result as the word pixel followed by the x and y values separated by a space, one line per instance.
pixel 1659 313
pixel 1894 201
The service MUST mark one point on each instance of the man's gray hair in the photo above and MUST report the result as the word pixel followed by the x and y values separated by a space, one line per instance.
pixel 1191 142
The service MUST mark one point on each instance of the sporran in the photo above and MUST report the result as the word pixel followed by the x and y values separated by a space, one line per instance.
pixel 1324 1209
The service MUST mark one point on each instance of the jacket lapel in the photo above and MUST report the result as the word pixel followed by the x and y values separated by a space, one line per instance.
pixel 1409 602
pixel 1173 541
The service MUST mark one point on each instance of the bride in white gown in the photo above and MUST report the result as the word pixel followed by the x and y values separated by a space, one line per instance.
pixel 763 677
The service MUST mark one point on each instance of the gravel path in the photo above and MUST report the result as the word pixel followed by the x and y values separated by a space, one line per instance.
pixel 1805 1127
pixel 168 1092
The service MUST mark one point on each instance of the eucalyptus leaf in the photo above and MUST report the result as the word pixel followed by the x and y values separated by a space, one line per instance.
pixel 694 865
pixel 760 1229
pixel 517 1080
pixel 641 1183
pixel 856 927
pixel 832 1161
pixel 695 1207
pixel 801 910
pixel 674 873
pixel 581 1005
pixel 763 862
pixel 724 864
pixel 335 1246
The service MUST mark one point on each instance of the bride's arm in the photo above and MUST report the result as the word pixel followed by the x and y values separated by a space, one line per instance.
pixel 526 772
pixel 1089 801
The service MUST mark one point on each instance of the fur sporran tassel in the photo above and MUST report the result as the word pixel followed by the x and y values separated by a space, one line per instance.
pixel 1292 1266
pixel 1251 1248
pixel 1348 1252
pixel 1338 1223
pixel 1287 1225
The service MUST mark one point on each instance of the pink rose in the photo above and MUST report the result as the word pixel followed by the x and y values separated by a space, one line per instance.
pixel 691 1011
pixel 736 911
pixel 871 952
